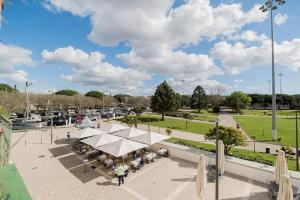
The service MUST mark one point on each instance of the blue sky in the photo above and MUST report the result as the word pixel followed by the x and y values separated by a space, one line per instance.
pixel 139 49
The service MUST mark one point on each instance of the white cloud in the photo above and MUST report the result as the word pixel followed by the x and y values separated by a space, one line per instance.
pixel 280 19
pixel 250 36
pixel 155 31
pixel 237 57
pixel 238 81
pixel 12 57
pixel 91 69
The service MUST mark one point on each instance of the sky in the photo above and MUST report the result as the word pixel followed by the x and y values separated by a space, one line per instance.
pixel 131 46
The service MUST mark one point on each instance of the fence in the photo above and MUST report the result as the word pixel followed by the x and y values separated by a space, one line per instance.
pixel 5 135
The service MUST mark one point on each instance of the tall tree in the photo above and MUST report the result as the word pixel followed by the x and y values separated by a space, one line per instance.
pixel 199 98
pixel 6 87
pixel 122 98
pixel 95 94
pixel 238 100
pixel 164 100
pixel 66 92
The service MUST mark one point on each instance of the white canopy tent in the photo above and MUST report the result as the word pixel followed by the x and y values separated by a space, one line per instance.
pixel 84 133
pixel 86 123
pixel 121 147
pixel 111 128
pixel 150 138
pixel 129 133
pixel 101 139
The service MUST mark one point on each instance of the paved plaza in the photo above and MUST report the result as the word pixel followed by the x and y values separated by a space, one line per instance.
pixel 56 172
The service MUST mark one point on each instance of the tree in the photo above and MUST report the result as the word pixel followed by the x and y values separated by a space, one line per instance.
pixel 139 110
pixel 187 116
pixel 164 100
pixel 238 100
pixel 3 111
pixel 66 92
pixel 169 131
pixel 5 87
pixel 122 98
pixel 231 137
pixel 130 120
pixel 199 98
pixel 95 94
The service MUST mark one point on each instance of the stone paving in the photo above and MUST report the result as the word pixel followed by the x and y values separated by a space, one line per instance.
pixel 54 172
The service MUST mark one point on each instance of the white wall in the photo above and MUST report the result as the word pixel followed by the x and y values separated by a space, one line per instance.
pixel 248 169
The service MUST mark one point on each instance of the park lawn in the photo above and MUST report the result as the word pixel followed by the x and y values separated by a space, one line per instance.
pixel 261 128
pixel 208 118
pixel 177 124
pixel 244 154
pixel 281 113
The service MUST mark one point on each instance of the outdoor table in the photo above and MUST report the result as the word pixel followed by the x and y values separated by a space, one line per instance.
pixel 162 151
pixel 109 162
pixel 135 163
pixel 102 157
pixel 151 156
pixel 91 152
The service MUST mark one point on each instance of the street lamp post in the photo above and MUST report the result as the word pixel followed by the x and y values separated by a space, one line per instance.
pixel 297 142
pixel 217 161
pixel 272 5
pixel 280 77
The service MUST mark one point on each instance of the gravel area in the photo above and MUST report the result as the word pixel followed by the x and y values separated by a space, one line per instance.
pixel 55 172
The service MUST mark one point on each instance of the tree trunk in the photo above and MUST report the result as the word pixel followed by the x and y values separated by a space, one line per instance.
pixel 162 116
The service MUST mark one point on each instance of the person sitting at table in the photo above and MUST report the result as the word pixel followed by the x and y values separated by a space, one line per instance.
pixel 114 166
pixel 134 154
pixel 142 162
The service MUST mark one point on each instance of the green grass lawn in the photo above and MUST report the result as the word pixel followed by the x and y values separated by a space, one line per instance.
pixel 260 127
pixel 235 152
pixel 281 113
pixel 177 124
pixel 208 118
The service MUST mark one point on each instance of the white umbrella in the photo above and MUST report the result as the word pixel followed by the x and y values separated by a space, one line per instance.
pixel 150 138
pixel 201 179
pixel 101 139
pixel 86 122
pixel 281 167
pixel 129 132
pixel 221 160
pixel 84 133
pixel 285 191
pixel 113 128
pixel 121 147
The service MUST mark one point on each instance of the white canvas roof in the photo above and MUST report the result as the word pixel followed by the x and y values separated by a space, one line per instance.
pixel 101 139
pixel 150 138
pixel 87 132
pixel 121 147
pixel 129 132
pixel 113 128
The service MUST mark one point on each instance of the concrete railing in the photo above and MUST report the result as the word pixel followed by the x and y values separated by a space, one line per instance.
pixel 248 169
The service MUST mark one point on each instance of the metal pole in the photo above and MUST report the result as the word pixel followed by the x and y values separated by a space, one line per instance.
pixel 297 142
pixel 148 120
pixel 217 160
pixel 274 133
pixel 51 107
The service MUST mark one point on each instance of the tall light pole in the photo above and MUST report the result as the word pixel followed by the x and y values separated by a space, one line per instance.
pixel 297 142
pixel 269 81
pixel 272 5
pixel 27 98
pixel 280 77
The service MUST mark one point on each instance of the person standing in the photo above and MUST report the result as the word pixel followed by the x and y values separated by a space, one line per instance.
pixel 120 171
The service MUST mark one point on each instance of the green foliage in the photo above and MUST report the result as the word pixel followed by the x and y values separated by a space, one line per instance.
pixel 3 111
pixel 230 136
pixel 95 94
pixel 168 131
pixel 66 92
pixel 139 109
pixel 5 87
pixel 199 99
pixel 130 120
pixel 244 154
pixel 164 100
pixel 122 98
pixel 238 100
